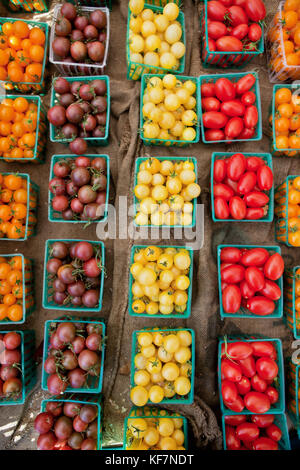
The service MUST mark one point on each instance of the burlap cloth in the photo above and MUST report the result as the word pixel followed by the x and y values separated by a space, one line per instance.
pixel 16 421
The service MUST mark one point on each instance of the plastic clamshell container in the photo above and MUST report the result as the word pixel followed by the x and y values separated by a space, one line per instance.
pixel 187 312
pixel 276 408
pixel 138 163
pixel 170 142
pixel 280 421
pixel 47 298
pixel 294 392
pixel 28 367
pixel 77 68
pixel 291 316
pixel 90 140
pixel 244 312
pixel 28 302
pixel 83 400
pixel 267 157
pixel 135 70
pixel 55 216
pixel 224 59
pixel 37 87
pixel 177 399
pixel 233 77
pixel 281 211
pixel 41 126
pixel 32 198
pixel 288 152
pixel 94 384
pixel 149 412
pixel 39 6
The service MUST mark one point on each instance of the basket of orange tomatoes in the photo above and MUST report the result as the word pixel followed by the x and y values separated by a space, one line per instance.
pixel 27 5
pixel 283 43
pixel 18 206
pixel 16 288
pixel 23 54
pixel 292 300
pixel 287 210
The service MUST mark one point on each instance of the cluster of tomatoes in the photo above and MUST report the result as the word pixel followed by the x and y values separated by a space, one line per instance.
pixel 22 52
pixel 288 211
pixel 286 122
pixel 74 273
pixel 11 288
pixel 249 372
pixel 255 432
pixel 234 25
pixel 67 426
pixel 11 367
pixel 74 356
pixel 27 5
pixel 155 37
pixel 241 186
pixel 229 109
pixel 248 278
pixel 157 432
pixel 163 366
pixel 169 273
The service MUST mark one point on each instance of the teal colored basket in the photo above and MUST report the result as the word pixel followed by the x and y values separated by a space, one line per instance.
pixel 170 142
pixel 267 157
pixel 281 221
pixel 136 70
pixel 150 412
pixel 40 140
pixel 244 312
pixel 94 3
pixel 55 216
pixel 291 316
pixel 32 195
pixel 47 294
pixel 294 392
pixel 94 141
pixel 138 163
pixel 276 152
pixel 28 290
pixel 26 5
pixel 233 77
pixel 177 399
pixel 83 400
pixel 187 312
pixel 280 421
pixel 276 408
pixel 94 384
pixel 36 87
pixel 28 367
pixel 224 59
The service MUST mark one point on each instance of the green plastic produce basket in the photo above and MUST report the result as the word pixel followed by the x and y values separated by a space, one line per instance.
pixel 32 200
pixel 136 70
pixel 150 412
pixel 39 6
pixel 233 77
pixel 28 300
pixel 28 367
pixel 280 421
pixel 83 400
pixel 281 211
pixel 54 134
pixel 36 87
pixel 187 312
pixel 224 59
pixel 276 408
pixel 169 142
pixel 267 157
pixel 244 312
pixel 47 293
pixel 94 3
pixel 294 393
pixel 177 399
pixel 55 216
pixel 138 163
pixel 40 140
pixel 291 316
pixel 276 152
pixel 94 384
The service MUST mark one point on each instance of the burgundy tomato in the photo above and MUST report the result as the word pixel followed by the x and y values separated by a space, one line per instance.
pixel 255 257
pixel 229 391
pixel 243 386
pixel 248 99
pixel 245 83
pixel 251 117
pixel 274 432
pixel 214 135
pixel 216 29
pixel 263 349
pixel 264 443
pixel 253 163
pixel 237 16
pixel 271 290
pixel 232 442
pixel 246 291
pixel 207 90
pixel 274 267
pixel 240 31
pixel 224 89
pixel 230 255
pixel 210 104
pixel 257 402
pixel 233 108
pixel 236 166
pixel 264 178
pixel 219 170
pixel 256 199
pixel 214 120
pixel 262 421
pixel 231 299
pixel 248 367
pixel 247 432
pixel 258 384
pixel 234 128
pixel 221 208
pixel 273 395
pixel 247 182
pixel 216 10
pixel 233 274
pixel 43 422
pixel 235 420
pixel 255 32
pixel 46 441
pixel 254 278
pixel 237 406
pixel 237 208
pixel 224 191
pixel 255 10
pixel 255 213
pixel 230 370
pixel 261 305
pixel 239 350
pixel 266 368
